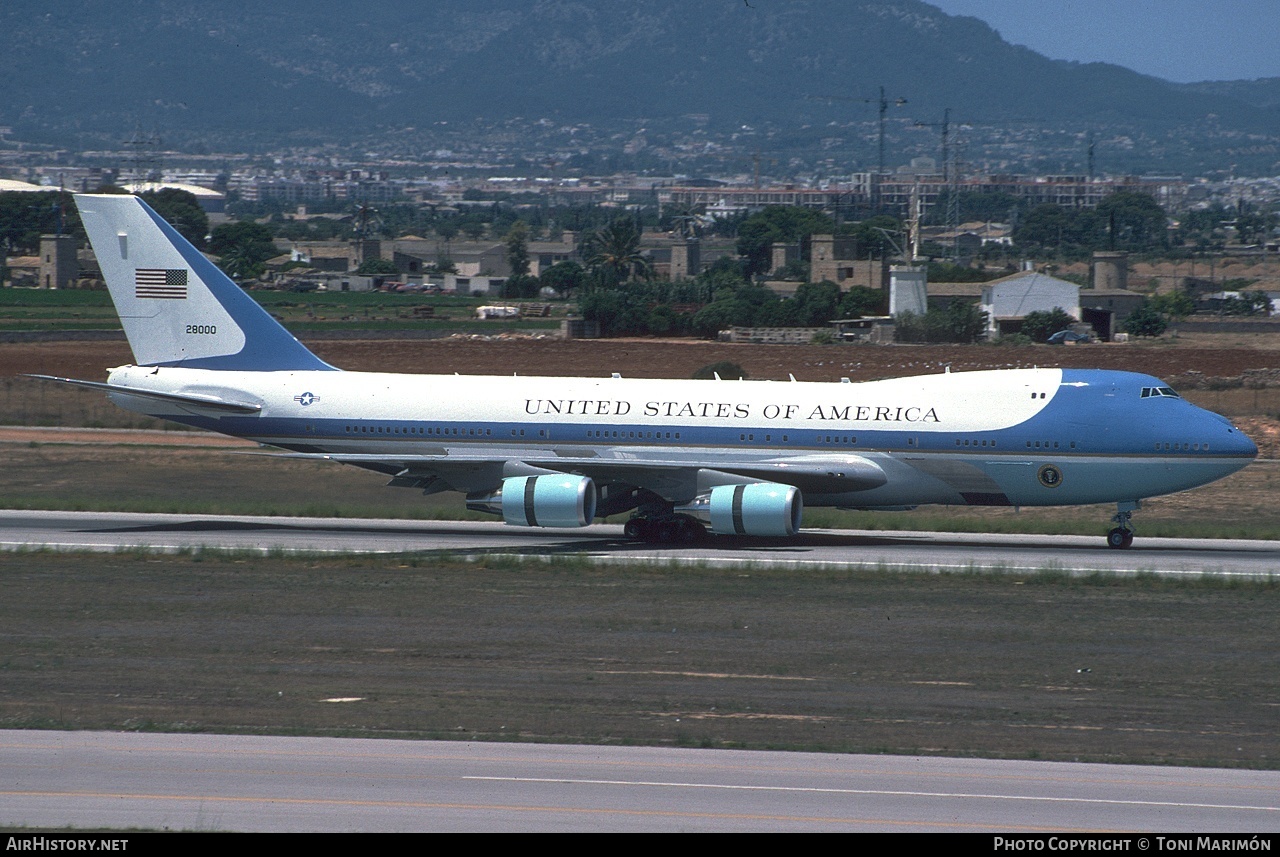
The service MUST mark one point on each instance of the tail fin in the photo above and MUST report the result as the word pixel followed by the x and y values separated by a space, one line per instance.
pixel 176 307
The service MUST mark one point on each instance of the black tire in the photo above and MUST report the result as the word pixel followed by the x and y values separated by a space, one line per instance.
pixel 636 529
pixel 1119 538
pixel 691 531
pixel 667 532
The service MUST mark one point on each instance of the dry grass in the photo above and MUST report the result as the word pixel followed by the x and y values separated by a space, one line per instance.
pixel 1036 666
pixel 213 480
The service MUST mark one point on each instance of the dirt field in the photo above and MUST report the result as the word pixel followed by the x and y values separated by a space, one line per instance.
pixel 647 358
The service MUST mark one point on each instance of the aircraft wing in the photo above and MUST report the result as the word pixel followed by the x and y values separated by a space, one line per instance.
pixel 672 477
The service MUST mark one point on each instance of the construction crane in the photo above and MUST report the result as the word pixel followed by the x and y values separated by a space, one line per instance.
pixel 883 103
pixel 756 160
pixel 945 125
pixel 950 175
pixel 951 168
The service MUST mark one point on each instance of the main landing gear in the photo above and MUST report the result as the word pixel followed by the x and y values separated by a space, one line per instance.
pixel 1121 535
pixel 669 529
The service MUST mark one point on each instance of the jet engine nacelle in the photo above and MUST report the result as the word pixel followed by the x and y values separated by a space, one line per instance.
pixel 553 500
pixel 755 509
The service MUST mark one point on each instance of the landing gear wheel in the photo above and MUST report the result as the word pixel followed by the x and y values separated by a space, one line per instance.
pixel 691 531
pixel 636 529
pixel 1119 538
pixel 667 532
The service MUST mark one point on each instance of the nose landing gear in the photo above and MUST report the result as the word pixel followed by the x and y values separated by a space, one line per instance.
pixel 1121 535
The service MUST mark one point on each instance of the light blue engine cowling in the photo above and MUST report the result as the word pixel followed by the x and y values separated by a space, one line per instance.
pixel 757 509
pixel 559 500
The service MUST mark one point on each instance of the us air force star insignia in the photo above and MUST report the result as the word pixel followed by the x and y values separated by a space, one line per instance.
pixel 306 399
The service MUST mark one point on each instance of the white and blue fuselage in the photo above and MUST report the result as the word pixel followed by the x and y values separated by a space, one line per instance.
pixel 739 456
pixel 975 438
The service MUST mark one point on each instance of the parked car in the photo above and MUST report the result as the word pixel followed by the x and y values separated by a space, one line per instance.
pixel 1062 337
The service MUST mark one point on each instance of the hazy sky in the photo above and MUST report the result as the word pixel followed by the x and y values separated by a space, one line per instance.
pixel 1178 40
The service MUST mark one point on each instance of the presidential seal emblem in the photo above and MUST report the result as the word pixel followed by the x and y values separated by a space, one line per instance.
pixel 1050 476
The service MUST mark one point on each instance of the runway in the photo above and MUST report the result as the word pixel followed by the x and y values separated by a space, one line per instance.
pixel 253 783
pixel 258 783
pixel 603 543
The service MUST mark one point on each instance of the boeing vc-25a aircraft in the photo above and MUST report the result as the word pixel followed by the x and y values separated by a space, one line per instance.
pixel 734 457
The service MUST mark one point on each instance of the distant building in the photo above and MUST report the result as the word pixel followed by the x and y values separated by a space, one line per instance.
pixel 833 258
pixel 783 255
pixel 730 201
pixel 475 286
pixel 895 192
pixel 1008 300
pixel 211 201
pixel 336 185
pixel 472 259
pixel 1110 270
pixel 1106 309
pixel 672 256
pixel 1070 191
pixel 942 295
pixel 907 290
pixel 15 186
pixel 969 239
pixel 23 271
pixel 545 254
pixel 876 329
pixel 59 267
pixel 336 256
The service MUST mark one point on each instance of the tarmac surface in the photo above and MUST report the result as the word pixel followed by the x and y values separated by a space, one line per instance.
pixel 140 781
pixel 603 543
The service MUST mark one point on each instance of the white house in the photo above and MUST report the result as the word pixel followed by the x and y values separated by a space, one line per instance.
pixel 1008 300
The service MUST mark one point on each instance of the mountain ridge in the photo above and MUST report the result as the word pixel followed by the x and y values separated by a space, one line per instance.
pixel 322 68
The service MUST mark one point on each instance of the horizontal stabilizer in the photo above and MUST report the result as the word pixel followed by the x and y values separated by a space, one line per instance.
pixel 194 399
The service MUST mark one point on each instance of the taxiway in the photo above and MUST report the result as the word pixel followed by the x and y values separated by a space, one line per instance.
pixel 603 543
pixel 106 780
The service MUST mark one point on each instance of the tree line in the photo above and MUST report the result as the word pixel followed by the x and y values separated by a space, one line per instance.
pixel 615 282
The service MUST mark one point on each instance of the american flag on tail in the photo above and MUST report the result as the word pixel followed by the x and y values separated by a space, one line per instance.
pixel 164 283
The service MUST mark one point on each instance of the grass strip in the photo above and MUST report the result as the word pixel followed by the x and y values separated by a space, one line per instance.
pixel 1033 665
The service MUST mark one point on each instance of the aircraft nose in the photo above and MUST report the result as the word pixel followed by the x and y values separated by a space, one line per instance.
pixel 1241 444
pixel 1227 438
pixel 1233 441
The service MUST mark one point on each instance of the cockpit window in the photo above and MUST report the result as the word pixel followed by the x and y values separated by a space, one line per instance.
pixel 1167 392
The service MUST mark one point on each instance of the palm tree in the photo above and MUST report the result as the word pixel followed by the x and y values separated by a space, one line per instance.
pixel 614 253
pixel 240 263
